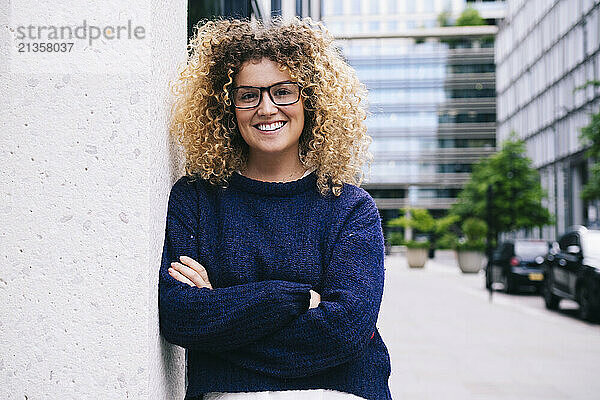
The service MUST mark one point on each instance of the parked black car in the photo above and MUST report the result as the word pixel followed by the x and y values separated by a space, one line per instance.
pixel 573 272
pixel 517 263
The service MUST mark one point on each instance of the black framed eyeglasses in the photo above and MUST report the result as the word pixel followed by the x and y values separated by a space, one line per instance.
pixel 281 94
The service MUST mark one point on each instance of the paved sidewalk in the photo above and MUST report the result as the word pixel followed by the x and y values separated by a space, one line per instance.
pixel 447 341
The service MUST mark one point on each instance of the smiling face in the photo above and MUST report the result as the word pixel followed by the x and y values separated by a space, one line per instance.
pixel 269 129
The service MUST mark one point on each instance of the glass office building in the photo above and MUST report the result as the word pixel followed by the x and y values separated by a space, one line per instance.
pixel 544 51
pixel 432 97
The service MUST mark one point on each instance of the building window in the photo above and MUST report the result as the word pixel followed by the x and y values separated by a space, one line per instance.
pixel 374 7
pixel 402 144
pixel 428 6
pixel 391 6
pixel 471 117
pixel 470 93
pixel 275 7
pixel 355 27
pixel 388 193
pixel 471 68
pixel 406 95
pixel 422 119
pixel 374 26
pixel 335 7
pixel 454 168
pixel 430 23
pixel 488 144
pixel 335 28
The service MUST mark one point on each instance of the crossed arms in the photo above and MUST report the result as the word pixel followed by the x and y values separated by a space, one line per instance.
pixel 275 327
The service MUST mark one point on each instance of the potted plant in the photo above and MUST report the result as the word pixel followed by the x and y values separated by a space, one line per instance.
pixel 421 222
pixel 417 253
pixel 470 251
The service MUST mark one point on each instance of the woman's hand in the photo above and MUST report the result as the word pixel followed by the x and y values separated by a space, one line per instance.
pixel 190 272
pixel 315 299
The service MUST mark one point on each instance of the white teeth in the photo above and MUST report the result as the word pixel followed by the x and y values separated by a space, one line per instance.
pixel 270 127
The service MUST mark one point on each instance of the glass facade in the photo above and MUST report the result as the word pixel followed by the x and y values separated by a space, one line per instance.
pixel 432 116
pixel 545 50
pixel 432 101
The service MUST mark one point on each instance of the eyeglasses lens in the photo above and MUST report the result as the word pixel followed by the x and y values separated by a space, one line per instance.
pixel 281 94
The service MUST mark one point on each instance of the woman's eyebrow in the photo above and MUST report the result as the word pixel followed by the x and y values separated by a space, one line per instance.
pixel 276 83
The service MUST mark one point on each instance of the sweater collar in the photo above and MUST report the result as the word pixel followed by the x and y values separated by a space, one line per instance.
pixel 246 184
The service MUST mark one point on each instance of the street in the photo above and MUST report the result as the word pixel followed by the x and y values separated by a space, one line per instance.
pixel 447 341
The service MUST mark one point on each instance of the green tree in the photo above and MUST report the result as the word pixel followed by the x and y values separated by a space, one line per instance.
pixel 443 18
pixel 590 134
pixel 517 193
pixel 446 231
pixel 420 220
pixel 470 17
pixel 475 231
pixel 588 83
pixel 442 232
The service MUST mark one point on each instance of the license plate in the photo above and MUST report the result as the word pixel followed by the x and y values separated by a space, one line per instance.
pixel 536 277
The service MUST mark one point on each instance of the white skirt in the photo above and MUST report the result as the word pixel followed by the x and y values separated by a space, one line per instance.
pixel 313 394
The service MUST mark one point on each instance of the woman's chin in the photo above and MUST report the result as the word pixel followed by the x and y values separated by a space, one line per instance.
pixel 274 148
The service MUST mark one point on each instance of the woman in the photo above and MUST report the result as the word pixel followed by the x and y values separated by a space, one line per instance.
pixel 273 264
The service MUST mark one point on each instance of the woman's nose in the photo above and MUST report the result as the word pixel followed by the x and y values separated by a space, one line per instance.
pixel 266 106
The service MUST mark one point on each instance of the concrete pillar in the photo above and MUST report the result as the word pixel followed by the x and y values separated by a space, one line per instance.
pixel 87 165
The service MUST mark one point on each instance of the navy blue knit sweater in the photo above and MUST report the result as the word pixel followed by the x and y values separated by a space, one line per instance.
pixel 265 245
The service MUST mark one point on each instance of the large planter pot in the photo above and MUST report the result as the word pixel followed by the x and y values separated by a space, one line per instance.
pixel 416 258
pixel 470 261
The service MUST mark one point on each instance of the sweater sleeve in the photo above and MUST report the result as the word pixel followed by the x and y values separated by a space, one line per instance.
pixel 220 319
pixel 341 326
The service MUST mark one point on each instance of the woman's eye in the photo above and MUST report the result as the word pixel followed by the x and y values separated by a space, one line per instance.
pixel 248 96
pixel 282 92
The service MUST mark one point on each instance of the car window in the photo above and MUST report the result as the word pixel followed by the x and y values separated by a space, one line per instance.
pixel 531 249
pixel 568 240
pixel 500 251
pixel 507 250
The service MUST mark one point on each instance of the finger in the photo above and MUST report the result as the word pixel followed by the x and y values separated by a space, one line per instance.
pixel 315 299
pixel 180 277
pixel 191 274
pixel 196 266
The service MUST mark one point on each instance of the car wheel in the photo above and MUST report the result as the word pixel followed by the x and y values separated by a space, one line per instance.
pixel 550 298
pixel 587 311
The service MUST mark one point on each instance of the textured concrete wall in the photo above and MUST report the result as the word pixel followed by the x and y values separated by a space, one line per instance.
pixel 86 169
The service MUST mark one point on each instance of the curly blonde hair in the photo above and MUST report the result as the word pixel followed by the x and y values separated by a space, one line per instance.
pixel 334 138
